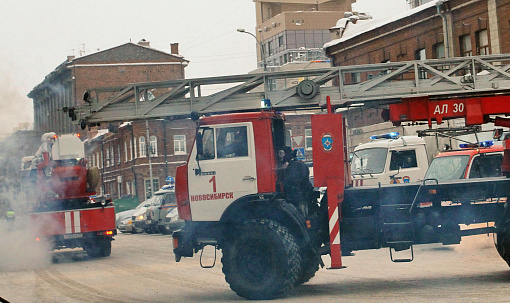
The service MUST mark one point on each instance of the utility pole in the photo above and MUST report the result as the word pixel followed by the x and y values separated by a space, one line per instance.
pixel 149 151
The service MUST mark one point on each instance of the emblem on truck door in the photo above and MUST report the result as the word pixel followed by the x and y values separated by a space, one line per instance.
pixel 327 142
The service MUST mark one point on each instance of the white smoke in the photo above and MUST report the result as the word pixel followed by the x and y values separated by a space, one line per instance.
pixel 19 249
pixel 16 107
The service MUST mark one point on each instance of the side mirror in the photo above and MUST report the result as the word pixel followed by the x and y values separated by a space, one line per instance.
pixel 497 133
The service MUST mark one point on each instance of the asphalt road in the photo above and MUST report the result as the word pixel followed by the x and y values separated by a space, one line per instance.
pixel 142 269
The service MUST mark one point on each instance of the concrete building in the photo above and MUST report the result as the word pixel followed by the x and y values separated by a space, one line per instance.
pixel 291 33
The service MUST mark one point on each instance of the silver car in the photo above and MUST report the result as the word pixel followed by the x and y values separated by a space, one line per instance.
pixel 172 221
pixel 124 225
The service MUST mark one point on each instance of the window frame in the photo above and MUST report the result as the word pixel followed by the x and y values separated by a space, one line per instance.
pixel 180 147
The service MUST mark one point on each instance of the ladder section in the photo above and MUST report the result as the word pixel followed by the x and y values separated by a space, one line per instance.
pixel 398 229
pixel 381 84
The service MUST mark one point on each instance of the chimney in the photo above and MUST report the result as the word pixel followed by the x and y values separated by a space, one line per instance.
pixel 144 42
pixel 70 58
pixel 174 48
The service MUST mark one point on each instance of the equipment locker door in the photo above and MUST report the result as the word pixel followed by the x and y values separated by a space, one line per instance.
pixel 223 171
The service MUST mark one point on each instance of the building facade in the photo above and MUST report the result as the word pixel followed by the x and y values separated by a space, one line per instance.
pixel 294 31
pixel 128 154
pixel 114 67
pixel 432 30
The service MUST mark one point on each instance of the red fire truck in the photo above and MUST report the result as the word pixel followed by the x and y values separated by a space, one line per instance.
pixel 59 186
pixel 273 230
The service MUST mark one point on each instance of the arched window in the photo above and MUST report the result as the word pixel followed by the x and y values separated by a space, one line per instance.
pixel 143 152
pixel 153 141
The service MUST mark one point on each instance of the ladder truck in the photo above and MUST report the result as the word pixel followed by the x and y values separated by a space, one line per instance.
pixel 272 237
pixel 58 185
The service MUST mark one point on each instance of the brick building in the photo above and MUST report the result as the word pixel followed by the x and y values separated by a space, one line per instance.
pixel 120 151
pixel 435 29
pixel 125 155
pixel 114 67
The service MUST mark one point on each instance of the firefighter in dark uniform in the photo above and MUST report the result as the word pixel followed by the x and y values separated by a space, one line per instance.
pixel 296 184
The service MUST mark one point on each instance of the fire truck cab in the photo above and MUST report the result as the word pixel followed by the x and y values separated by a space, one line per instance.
pixel 481 160
pixel 389 159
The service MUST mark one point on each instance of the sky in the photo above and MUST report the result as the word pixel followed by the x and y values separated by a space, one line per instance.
pixel 39 35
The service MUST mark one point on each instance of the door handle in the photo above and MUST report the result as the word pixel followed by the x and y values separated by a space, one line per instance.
pixel 249 178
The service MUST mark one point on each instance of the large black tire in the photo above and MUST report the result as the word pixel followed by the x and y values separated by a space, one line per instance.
pixel 261 260
pixel 309 266
pixel 101 247
pixel 503 239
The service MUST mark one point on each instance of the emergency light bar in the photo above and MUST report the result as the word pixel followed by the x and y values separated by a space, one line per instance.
pixel 481 144
pixel 392 135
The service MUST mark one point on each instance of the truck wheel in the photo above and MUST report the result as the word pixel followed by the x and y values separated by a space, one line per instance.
pixel 503 240
pixel 101 247
pixel 261 261
pixel 310 265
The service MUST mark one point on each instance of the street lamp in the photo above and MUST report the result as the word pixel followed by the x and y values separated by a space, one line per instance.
pixel 262 52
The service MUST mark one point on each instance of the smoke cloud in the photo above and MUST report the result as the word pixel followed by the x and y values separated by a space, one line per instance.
pixel 16 106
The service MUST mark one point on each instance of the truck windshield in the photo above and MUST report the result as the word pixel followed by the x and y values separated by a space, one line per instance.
pixel 448 168
pixel 369 161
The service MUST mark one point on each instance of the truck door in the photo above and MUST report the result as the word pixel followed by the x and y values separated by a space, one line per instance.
pixel 221 169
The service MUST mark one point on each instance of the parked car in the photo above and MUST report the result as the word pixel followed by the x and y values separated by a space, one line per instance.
pixel 124 225
pixel 139 218
pixel 172 221
pixel 158 212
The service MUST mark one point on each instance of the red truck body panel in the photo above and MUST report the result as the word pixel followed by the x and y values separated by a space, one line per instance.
pixel 73 221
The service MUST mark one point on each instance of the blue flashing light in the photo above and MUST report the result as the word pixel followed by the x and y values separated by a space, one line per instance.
pixel 475 145
pixel 392 135
pixel 486 143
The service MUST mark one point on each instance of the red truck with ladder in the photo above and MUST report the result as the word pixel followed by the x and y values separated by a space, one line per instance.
pixel 272 232
pixel 59 186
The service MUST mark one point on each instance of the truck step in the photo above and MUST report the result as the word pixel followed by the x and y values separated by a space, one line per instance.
pixel 402 260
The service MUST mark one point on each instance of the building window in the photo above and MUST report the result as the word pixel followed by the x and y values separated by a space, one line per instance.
pixel 280 41
pixel 154 145
pixel 118 153
pixel 179 144
pixel 356 77
pixel 112 155
pixel 482 43
pixel 465 46
pixel 439 50
pixel 107 157
pixel 125 152
pixel 131 155
pixel 148 189
pixel 143 151
pixel 421 55
pixel 308 139
pixel 270 47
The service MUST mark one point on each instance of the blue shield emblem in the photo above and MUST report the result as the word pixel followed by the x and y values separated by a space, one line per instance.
pixel 327 142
